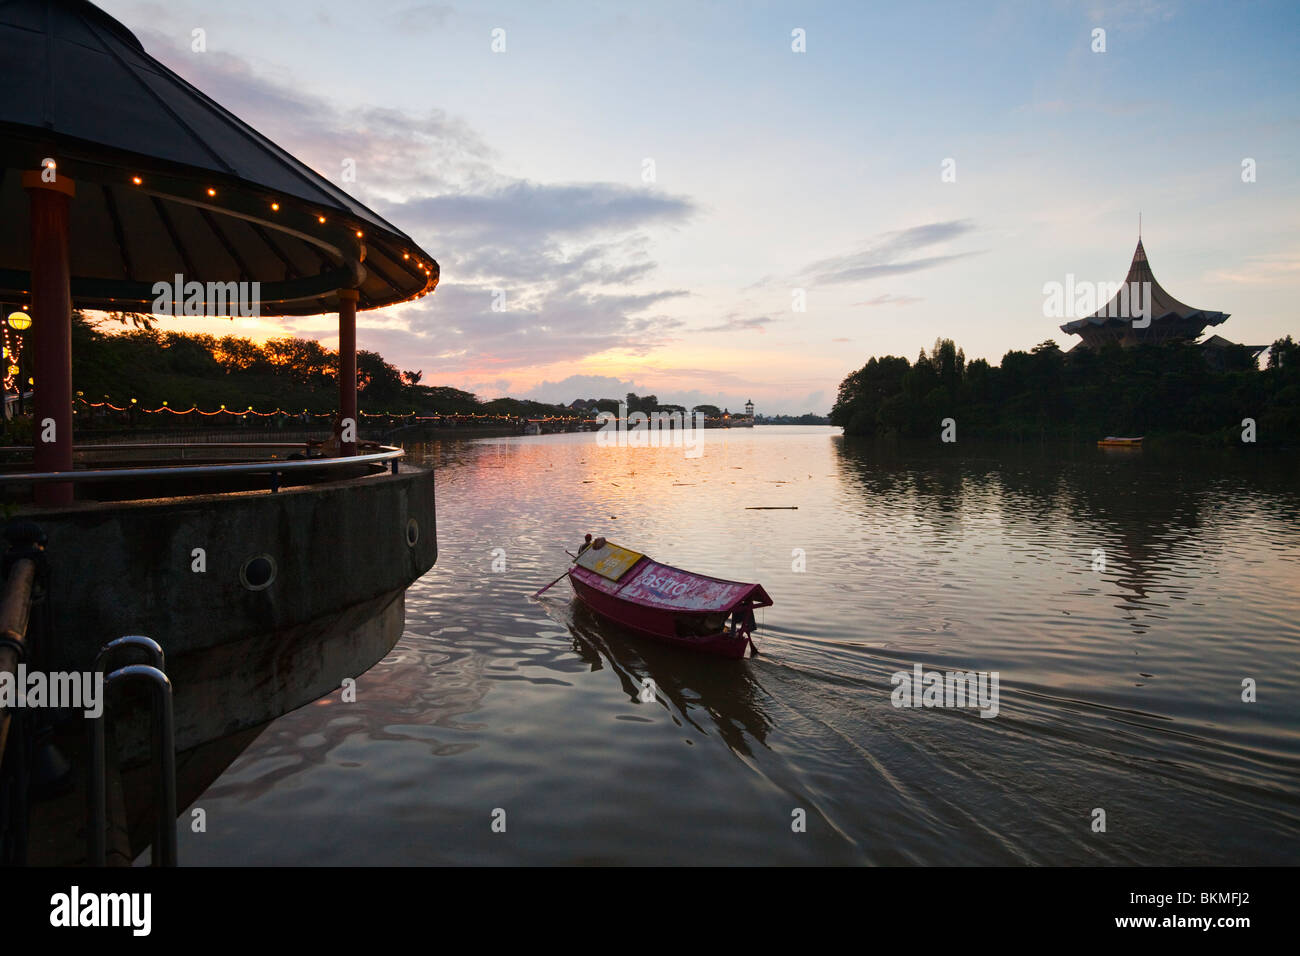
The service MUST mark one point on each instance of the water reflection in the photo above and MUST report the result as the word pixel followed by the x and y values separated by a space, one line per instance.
pixel 1120 688
pixel 695 689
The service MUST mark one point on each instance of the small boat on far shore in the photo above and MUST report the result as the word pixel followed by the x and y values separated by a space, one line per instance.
pixel 1110 441
pixel 679 607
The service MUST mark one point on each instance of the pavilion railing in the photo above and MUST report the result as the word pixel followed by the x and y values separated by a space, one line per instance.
pixel 274 467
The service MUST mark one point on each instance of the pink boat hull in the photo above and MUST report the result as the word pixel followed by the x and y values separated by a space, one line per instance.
pixel 656 623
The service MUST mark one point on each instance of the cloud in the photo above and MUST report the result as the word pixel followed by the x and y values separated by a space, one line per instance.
pixel 393 153
pixel 523 209
pixel 458 333
pixel 891 254
pixel 568 258
pixel 734 323
pixel 889 299
pixel 423 16
pixel 1133 106
pixel 733 395
pixel 569 235
pixel 1260 270
pixel 1132 15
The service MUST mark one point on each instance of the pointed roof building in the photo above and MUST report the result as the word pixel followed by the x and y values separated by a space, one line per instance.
pixel 1124 319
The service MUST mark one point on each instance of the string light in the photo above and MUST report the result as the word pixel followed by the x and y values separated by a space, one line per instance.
pixel 13 348
pixel 223 410
pixel 211 191
pixel 275 207
pixel 137 180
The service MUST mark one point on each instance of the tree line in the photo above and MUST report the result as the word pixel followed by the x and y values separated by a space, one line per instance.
pixel 1176 389
pixel 185 369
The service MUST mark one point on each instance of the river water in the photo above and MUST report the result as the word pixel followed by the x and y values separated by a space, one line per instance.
pixel 1119 689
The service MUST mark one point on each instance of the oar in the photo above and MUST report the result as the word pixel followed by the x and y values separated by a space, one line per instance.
pixel 551 585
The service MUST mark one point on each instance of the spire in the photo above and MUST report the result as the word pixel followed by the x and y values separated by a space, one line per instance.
pixel 1176 318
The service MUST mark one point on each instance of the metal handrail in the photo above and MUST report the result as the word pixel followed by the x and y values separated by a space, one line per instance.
pixel 183 471
pixel 117 446
pixel 191 444
pixel 164 735
pixel 15 610
pixel 98 786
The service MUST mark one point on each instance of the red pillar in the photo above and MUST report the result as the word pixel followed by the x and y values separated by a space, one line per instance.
pixel 348 365
pixel 51 332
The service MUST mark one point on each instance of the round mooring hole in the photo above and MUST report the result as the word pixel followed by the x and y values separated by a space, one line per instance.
pixel 258 572
pixel 412 532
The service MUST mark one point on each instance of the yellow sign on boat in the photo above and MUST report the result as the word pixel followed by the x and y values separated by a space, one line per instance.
pixel 610 561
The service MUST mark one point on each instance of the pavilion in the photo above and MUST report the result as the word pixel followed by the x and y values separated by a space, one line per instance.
pixel 116 174
pixel 1170 320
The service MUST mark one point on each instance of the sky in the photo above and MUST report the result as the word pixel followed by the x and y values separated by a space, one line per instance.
pixel 673 198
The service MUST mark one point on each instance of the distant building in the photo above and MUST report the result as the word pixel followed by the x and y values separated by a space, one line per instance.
pixel 749 408
pixel 1217 351
pixel 1170 320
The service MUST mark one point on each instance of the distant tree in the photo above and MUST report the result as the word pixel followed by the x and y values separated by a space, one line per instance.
pixel 236 354
pixel 305 361
pixel 377 379
pixel 1284 353
pixel 1174 388
pixel 949 362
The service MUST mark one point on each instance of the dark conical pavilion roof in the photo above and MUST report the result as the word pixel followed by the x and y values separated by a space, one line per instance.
pixel 1163 305
pixel 147 152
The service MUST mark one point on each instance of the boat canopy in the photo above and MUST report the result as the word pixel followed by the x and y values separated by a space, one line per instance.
pixel 609 561
pixel 651 584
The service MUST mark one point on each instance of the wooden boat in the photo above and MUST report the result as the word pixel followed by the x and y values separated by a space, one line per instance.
pixel 1110 441
pixel 668 604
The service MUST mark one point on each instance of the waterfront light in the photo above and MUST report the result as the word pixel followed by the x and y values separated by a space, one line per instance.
pixel 20 321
